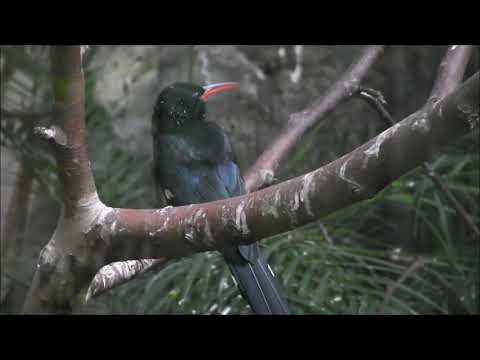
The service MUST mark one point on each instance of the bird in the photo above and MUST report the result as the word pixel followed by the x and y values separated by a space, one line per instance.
pixel 194 162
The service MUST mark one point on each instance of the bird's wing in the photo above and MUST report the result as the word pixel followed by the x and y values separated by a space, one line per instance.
pixel 213 182
pixel 200 182
pixel 197 166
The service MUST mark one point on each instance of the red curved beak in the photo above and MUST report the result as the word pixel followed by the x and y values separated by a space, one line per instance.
pixel 214 89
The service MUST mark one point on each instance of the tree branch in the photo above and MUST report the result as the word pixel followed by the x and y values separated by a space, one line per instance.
pixel 181 231
pixel 417 264
pixel 66 256
pixel 118 273
pixel 375 99
pixel 75 174
pixel 451 71
pixel 263 170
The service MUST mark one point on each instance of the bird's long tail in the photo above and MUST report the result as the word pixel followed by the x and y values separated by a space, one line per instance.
pixel 256 281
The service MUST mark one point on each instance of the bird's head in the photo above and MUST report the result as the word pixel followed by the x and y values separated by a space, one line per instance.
pixel 183 103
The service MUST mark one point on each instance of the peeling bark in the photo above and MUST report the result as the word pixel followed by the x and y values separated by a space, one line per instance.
pixel 118 273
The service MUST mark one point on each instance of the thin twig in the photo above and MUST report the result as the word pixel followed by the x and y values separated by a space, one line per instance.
pixel 417 264
pixel 376 99
pixel 262 172
pixel 437 180
pixel 325 233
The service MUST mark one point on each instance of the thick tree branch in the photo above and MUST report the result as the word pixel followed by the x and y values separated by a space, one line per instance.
pixel 263 170
pixel 67 254
pixel 68 130
pixel 181 231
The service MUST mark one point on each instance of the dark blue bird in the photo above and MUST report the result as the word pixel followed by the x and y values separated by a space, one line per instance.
pixel 194 163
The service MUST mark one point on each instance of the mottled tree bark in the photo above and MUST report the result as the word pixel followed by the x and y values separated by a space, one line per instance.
pixel 66 259
pixel 180 231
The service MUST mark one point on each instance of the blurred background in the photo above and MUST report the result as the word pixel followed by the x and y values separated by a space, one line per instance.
pixel 406 251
